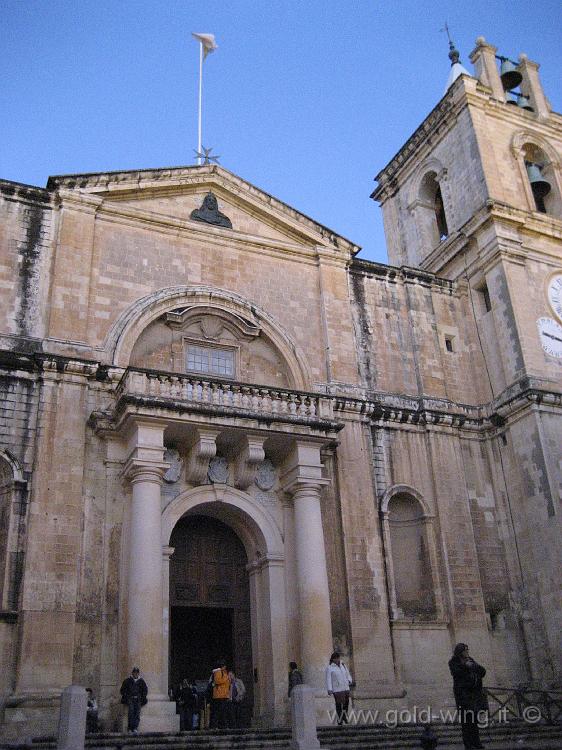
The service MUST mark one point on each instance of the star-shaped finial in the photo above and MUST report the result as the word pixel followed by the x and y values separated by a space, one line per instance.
pixel 206 156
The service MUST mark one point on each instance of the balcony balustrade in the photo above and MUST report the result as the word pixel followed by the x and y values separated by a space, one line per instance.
pixel 215 395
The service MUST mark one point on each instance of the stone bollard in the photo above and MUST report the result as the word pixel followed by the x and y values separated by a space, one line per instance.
pixel 72 718
pixel 303 719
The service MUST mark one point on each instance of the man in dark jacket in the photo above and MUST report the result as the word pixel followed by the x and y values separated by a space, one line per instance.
pixel 469 694
pixel 295 676
pixel 133 695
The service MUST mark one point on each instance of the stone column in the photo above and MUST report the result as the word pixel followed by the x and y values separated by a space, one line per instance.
pixel 303 479
pixel 145 601
pixel 312 584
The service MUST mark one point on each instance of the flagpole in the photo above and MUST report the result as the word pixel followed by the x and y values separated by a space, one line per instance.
pixel 200 98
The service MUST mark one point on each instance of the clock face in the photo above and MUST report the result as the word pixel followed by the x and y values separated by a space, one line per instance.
pixel 554 294
pixel 550 334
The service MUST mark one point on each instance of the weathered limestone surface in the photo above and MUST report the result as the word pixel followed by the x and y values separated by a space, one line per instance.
pixel 384 440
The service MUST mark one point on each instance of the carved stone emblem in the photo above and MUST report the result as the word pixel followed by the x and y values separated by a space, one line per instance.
pixel 265 475
pixel 211 326
pixel 209 212
pixel 172 456
pixel 218 470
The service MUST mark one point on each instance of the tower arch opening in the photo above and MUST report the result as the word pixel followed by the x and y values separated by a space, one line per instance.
pixel 432 201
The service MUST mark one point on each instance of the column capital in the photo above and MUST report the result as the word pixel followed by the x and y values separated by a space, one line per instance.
pixel 265 561
pixel 167 552
pixel 302 486
pixel 139 470
pixel 303 468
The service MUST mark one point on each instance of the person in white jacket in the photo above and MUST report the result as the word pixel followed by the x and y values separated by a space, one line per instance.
pixel 338 682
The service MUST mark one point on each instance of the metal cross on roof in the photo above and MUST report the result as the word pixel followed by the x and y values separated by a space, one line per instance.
pixel 206 156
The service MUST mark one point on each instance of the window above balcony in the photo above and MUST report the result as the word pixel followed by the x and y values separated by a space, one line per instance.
pixel 210 360
pixel 213 342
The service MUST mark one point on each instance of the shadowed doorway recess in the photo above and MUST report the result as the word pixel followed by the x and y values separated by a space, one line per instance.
pixel 209 602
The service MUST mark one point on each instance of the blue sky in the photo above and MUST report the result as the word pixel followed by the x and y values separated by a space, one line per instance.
pixel 307 100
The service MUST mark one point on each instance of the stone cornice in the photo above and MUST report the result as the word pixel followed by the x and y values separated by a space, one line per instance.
pixel 223 237
pixel 526 222
pixel 151 404
pixel 326 421
pixel 498 110
pixel 382 408
pixel 17 191
pixel 405 274
pixel 115 186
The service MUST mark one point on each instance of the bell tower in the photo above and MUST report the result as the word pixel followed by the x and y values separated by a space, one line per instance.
pixel 475 196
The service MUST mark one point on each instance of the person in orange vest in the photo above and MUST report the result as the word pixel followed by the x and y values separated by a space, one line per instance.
pixel 220 679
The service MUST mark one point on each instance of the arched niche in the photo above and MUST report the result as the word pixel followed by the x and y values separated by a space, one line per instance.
pixel 410 555
pixel 156 331
pixel 13 506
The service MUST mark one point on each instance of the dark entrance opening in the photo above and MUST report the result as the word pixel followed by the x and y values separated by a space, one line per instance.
pixel 200 636
pixel 209 604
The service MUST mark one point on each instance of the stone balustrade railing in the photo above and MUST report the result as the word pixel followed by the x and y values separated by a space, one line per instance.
pixel 255 399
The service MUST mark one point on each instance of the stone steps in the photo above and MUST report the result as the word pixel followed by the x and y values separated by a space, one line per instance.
pixel 510 736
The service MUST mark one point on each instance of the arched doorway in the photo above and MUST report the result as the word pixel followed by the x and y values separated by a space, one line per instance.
pixel 209 602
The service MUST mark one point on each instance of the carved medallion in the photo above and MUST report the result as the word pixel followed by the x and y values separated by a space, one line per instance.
pixel 218 470
pixel 209 212
pixel 265 475
pixel 172 456
pixel 211 326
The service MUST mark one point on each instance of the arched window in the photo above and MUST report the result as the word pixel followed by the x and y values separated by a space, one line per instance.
pixel 431 199
pixel 411 559
pixel 210 342
pixel 539 165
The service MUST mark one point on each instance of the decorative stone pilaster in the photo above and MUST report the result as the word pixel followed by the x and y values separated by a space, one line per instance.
pixel 167 552
pixel 303 480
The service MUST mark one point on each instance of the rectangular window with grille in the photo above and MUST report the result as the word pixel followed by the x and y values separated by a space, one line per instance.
pixel 210 360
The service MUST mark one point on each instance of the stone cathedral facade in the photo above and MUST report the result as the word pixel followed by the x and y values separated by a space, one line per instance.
pixel 224 435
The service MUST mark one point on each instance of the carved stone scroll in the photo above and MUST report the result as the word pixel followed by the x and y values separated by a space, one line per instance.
pixel 250 456
pixel 202 451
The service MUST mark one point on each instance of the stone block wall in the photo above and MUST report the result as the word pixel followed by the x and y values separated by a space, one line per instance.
pixel 26 236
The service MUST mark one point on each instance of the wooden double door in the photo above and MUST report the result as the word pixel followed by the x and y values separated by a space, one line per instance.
pixel 209 603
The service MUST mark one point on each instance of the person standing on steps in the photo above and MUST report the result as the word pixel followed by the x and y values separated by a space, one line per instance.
pixel 470 697
pixel 220 718
pixel 295 676
pixel 338 683
pixel 91 712
pixel 237 694
pixel 133 695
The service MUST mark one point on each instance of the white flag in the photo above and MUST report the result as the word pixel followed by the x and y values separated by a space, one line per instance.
pixel 208 42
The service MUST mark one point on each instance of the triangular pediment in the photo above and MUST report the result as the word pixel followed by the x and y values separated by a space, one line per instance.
pixel 173 195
